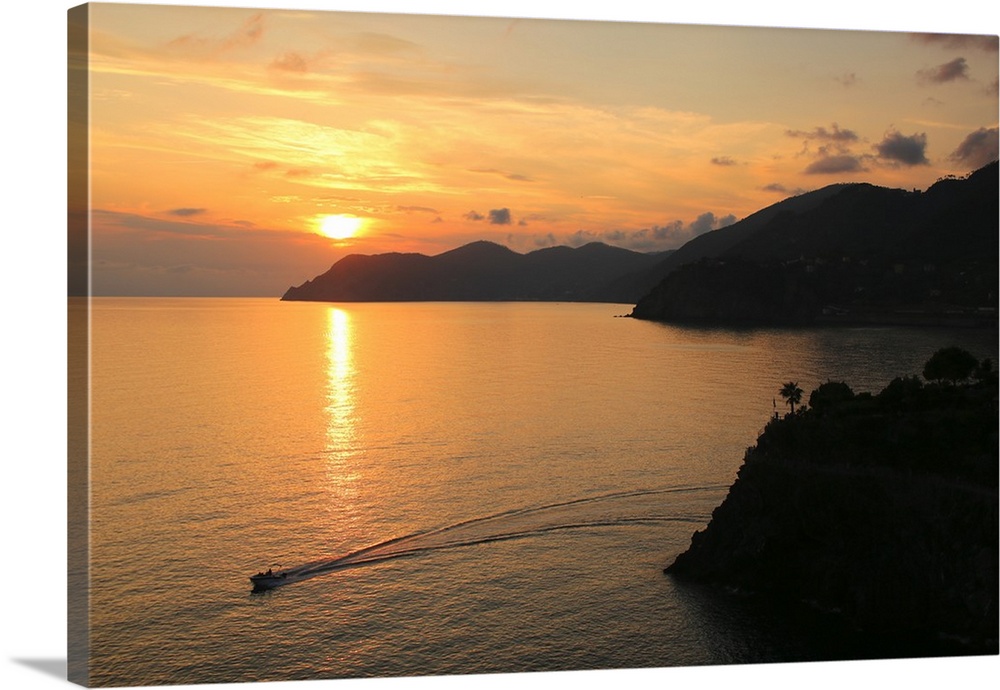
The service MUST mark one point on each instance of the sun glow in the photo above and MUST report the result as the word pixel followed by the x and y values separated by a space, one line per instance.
pixel 339 227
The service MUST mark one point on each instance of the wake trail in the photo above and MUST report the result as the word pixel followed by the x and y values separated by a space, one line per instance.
pixel 562 504
pixel 452 536
pixel 355 560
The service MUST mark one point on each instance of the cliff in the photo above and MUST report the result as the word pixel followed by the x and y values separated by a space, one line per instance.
pixel 853 253
pixel 482 271
pixel 880 508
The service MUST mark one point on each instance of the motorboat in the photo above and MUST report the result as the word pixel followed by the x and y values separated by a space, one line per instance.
pixel 269 580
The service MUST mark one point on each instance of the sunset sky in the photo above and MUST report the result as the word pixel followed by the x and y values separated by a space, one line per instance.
pixel 222 138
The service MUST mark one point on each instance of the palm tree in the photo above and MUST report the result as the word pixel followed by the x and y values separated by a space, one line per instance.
pixel 792 394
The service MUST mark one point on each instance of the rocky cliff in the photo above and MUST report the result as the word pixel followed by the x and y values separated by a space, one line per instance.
pixel 880 508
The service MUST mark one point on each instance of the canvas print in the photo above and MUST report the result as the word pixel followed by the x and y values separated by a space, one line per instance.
pixel 425 345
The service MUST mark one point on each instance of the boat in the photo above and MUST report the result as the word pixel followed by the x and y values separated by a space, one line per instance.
pixel 269 580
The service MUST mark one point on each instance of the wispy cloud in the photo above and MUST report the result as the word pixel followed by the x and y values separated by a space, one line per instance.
pixel 835 133
pixel 516 177
pixel 247 34
pixel 417 209
pixel 954 41
pixel 186 212
pixel 290 62
pixel 778 188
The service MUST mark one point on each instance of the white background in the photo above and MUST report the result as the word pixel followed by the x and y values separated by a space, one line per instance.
pixel 33 335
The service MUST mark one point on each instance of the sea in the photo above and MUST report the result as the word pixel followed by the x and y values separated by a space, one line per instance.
pixel 451 488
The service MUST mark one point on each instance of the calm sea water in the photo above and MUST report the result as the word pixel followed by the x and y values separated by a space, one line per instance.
pixel 454 488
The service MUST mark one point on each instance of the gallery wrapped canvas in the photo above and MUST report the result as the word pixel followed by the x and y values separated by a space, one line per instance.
pixel 410 345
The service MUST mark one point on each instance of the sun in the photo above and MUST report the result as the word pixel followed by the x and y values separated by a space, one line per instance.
pixel 339 227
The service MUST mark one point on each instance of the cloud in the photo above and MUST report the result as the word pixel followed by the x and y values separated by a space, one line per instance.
pixel 949 71
pixel 516 177
pixel 848 79
pixel 978 148
pixel 417 209
pixel 830 165
pixel 150 224
pixel 834 155
pixel 724 161
pixel 373 43
pixel 248 34
pixel 290 62
pixel 654 238
pixel 953 41
pixel 835 133
pixel 500 216
pixel 779 188
pixel 707 221
pixel 907 150
pixel 474 215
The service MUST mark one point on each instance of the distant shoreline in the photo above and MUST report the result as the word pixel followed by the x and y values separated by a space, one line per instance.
pixel 914 319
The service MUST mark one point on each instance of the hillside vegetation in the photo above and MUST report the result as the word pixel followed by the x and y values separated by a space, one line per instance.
pixel 856 253
pixel 882 508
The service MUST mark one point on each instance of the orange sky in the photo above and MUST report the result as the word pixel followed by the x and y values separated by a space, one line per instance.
pixel 220 137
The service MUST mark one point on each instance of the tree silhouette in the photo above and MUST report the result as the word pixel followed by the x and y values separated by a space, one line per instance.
pixel 951 364
pixel 792 394
pixel 829 395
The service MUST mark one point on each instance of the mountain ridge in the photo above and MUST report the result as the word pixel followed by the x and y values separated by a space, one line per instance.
pixel 481 271
pixel 861 254
pixel 847 252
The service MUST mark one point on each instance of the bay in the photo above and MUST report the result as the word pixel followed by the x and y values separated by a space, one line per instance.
pixel 454 487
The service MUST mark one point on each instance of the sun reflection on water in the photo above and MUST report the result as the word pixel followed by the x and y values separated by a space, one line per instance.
pixel 341 432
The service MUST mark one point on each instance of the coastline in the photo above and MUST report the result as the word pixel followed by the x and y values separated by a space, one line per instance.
pixel 881 509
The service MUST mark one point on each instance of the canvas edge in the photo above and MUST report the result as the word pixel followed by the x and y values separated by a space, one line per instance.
pixel 78 637
pixel 78 347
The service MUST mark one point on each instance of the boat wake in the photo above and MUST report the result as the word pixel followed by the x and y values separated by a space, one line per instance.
pixel 642 506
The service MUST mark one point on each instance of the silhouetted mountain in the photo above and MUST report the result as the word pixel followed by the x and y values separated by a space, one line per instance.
pixel 712 244
pixel 844 253
pixel 482 271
